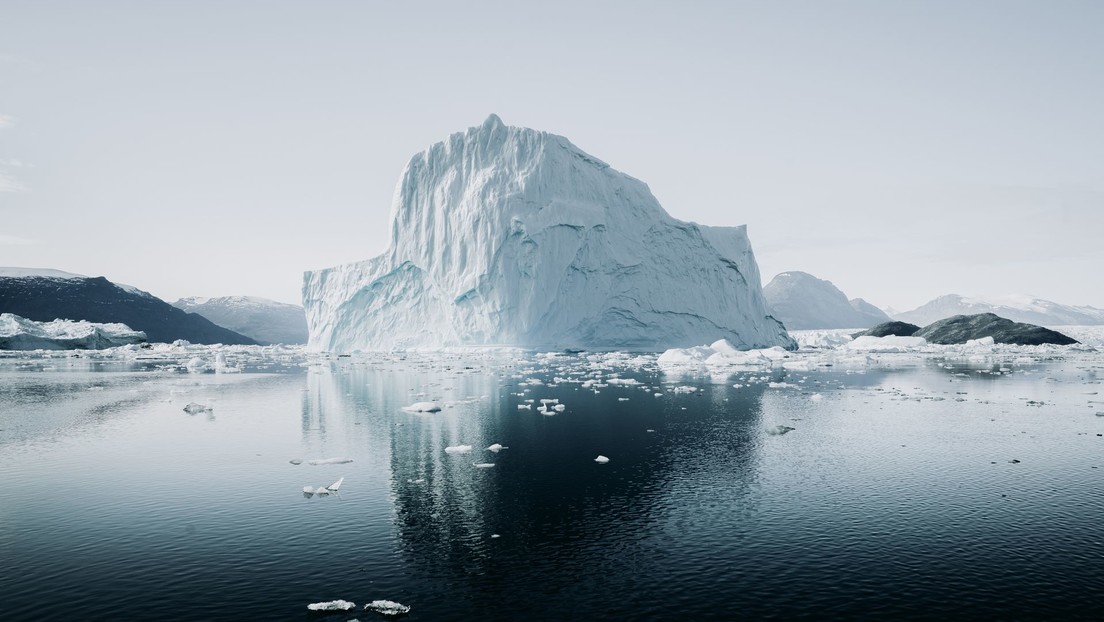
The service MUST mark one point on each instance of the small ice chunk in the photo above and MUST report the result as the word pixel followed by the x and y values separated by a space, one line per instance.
pixel 559 408
pixel 525 406
pixel 496 448
pixel 601 459
pixel 816 397
pixel 332 605
pixel 780 430
pixel 387 607
pixel 321 491
pixel 193 408
pixel 458 449
pixel 320 461
pixel 308 490
pixel 482 465
pixel 334 486
pixel 296 461
pixel 422 407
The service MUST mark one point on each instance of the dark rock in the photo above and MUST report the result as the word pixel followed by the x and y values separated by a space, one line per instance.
pixel 889 329
pixel 962 328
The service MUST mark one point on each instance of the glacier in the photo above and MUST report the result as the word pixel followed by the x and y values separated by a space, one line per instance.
pixel 508 236
pixel 17 333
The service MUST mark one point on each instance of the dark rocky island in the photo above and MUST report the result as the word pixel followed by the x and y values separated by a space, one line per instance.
pixel 962 328
pixel 889 329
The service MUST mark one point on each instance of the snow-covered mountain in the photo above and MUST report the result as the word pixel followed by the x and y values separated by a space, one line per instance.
pixel 801 301
pixel 510 236
pixel 45 295
pixel 261 319
pixel 1019 308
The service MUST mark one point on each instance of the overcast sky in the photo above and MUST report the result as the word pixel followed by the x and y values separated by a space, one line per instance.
pixel 902 150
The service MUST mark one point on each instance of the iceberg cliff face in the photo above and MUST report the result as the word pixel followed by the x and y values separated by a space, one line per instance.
pixel 509 236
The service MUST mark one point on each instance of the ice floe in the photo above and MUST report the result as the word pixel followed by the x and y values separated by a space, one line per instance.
pixel 321 461
pixel 387 607
pixel 332 605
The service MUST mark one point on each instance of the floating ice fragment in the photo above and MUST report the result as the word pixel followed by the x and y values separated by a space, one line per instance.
pixel 496 448
pixel 193 408
pixel 458 449
pixel 336 485
pixel 559 408
pixel 320 461
pixel 387 607
pixel 296 461
pixel 525 407
pixel 483 465
pixel 308 490
pixel 780 430
pixel 601 459
pixel 332 605
pixel 422 407
pixel 816 397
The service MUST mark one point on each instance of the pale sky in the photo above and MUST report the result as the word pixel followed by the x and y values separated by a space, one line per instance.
pixel 902 150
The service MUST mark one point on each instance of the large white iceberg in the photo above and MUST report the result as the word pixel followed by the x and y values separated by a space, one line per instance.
pixel 17 333
pixel 510 236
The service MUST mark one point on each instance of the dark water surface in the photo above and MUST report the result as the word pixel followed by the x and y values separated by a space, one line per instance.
pixel 888 500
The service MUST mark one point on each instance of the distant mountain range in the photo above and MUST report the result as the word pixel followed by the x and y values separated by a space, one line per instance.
pixel 45 295
pixel 261 319
pixel 1021 308
pixel 801 301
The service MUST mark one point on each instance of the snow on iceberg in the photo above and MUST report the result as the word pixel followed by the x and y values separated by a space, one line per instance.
pixel 17 333
pixel 510 236
pixel 721 353
pixel 887 345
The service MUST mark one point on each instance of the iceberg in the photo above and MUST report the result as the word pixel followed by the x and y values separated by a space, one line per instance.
pixel 387 607
pixel 332 605
pixel 17 333
pixel 321 461
pixel 508 236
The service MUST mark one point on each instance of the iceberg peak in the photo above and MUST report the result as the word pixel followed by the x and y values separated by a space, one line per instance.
pixel 493 122
pixel 512 236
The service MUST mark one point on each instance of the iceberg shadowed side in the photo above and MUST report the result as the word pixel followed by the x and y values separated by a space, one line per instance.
pixel 510 236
